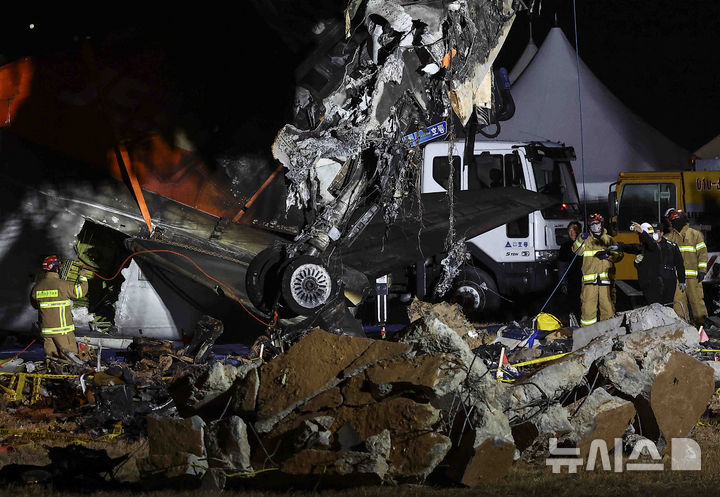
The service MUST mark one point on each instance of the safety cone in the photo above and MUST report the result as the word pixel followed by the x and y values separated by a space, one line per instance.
pixel 703 336
pixel 501 362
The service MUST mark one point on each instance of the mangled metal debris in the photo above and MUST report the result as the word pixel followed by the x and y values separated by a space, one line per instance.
pixel 350 156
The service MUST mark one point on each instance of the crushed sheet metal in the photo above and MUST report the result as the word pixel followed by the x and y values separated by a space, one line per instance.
pixel 452 264
pixel 376 93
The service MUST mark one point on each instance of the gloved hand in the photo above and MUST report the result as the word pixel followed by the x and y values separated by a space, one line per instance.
pixel 584 236
pixel 614 248
pixel 683 286
pixel 701 276
pixel 602 255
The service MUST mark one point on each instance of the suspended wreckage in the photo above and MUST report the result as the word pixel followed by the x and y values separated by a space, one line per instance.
pixel 352 152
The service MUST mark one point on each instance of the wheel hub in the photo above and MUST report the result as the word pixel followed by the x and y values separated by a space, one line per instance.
pixel 310 285
pixel 470 297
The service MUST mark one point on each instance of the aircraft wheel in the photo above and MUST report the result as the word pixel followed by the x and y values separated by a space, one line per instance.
pixel 306 285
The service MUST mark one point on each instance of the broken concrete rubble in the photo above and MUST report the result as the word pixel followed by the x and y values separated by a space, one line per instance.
pixel 651 316
pixel 488 462
pixel 680 393
pixel 599 416
pixel 355 468
pixel 415 449
pixel 293 380
pixel 583 336
pixel 214 385
pixel 227 445
pixel 425 407
pixel 177 447
pixel 716 369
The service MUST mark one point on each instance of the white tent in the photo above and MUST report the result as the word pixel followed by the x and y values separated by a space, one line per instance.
pixel 524 61
pixel 615 139
pixel 711 150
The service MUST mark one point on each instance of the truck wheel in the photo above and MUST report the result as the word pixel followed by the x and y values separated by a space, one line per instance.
pixel 476 291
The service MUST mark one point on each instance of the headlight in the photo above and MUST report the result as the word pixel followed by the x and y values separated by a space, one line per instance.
pixel 546 255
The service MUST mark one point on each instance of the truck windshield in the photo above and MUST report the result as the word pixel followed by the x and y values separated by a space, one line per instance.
pixel 494 171
pixel 554 177
pixel 644 203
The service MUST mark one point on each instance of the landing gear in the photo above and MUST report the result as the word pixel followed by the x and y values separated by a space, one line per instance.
pixel 261 279
pixel 297 287
pixel 306 285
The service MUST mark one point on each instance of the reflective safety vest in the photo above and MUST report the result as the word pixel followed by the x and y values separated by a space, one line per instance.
pixel 52 297
pixel 693 249
pixel 596 271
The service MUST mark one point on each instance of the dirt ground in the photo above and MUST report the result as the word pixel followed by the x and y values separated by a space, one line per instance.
pixel 524 480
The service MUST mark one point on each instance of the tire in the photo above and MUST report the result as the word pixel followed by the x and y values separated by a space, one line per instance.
pixel 261 279
pixel 476 291
pixel 306 285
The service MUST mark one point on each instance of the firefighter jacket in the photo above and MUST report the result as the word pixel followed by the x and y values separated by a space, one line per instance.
pixel 52 296
pixel 693 249
pixel 596 271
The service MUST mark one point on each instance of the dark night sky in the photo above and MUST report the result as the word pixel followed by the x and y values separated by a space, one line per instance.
pixel 660 57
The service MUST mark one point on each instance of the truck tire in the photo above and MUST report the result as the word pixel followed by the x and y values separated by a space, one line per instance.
pixel 476 291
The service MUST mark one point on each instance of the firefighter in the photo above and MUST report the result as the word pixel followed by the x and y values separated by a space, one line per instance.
pixel 51 296
pixel 597 264
pixel 694 254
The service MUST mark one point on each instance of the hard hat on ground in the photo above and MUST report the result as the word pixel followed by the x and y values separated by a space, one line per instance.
pixel 548 322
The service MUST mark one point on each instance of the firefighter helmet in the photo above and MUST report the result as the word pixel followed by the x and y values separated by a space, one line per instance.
pixel 595 218
pixel 595 223
pixel 50 262
pixel 673 214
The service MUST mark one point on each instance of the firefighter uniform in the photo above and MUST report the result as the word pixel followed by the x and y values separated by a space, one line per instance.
pixel 596 277
pixel 51 296
pixel 694 253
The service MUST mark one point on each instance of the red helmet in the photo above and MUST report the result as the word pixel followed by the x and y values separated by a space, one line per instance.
pixel 595 218
pixel 50 262
pixel 673 214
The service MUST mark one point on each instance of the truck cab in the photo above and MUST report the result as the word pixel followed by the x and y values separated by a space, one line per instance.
pixel 518 258
pixel 645 196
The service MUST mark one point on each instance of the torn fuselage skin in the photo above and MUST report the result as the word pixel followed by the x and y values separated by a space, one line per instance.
pixel 393 70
